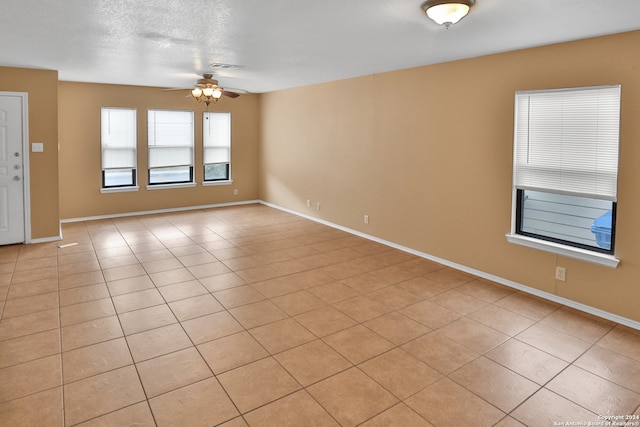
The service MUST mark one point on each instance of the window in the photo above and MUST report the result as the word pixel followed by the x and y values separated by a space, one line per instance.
pixel 216 137
pixel 577 221
pixel 170 143
pixel 566 167
pixel 118 141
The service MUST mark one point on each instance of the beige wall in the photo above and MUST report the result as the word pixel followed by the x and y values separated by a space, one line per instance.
pixel 42 89
pixel 80 161
pixel 427 154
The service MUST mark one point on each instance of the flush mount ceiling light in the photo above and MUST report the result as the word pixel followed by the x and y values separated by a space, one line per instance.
pixel 447 12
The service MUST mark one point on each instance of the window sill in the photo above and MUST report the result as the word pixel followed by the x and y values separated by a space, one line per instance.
pixel 568 251
pixel 169 186
pixel 118 189
pixel 214 183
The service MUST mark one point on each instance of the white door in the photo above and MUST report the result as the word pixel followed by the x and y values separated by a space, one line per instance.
pixel 12 204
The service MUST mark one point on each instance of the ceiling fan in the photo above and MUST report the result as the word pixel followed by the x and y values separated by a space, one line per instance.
pixel 207 90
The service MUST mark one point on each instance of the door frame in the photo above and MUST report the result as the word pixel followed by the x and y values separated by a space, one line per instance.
pixel 26 182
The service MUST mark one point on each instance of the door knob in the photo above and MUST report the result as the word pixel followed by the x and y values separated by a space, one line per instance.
pixel 16 178
pixel 17 154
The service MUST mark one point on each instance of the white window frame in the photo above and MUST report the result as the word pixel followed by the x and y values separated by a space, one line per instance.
pixel 107 145
pixel 606 190
pixel 153 144
pixel 216 138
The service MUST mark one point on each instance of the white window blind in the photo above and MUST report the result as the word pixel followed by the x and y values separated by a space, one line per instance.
pixel 566 141
pixel 217 138
pixel 170 138
pixel 118 138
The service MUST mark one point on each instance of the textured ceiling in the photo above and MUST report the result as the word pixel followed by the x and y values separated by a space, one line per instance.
pixel 277 44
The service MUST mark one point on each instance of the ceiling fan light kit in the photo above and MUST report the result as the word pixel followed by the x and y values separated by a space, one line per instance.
pixel 207 90
pixel 447 12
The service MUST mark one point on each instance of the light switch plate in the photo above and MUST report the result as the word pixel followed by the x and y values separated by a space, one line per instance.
pixel 37 147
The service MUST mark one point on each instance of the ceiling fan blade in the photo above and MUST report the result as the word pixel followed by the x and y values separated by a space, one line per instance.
pixel 175 88
pixel 236 90
pixel 230 94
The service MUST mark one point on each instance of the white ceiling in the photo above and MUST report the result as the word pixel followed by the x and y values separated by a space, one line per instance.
pixel 278 43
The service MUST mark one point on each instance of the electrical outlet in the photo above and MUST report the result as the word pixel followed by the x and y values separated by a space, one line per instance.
pixel 235 191
pixel 561 273
pixel 318 206
pixel 366 219
pixel 308 203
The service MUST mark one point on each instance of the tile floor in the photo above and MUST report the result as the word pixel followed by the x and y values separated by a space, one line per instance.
pixel 251 316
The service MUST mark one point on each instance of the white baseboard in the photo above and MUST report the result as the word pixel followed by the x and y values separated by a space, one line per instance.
pixel 158 211
pixel 45 240
pixel 551 297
